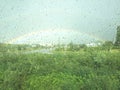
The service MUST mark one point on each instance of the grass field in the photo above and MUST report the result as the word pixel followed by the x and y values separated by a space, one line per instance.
pixel 89 69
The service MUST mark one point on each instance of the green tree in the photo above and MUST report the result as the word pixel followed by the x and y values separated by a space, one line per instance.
pixel 70 46
pixel 108 45
pixel 117 42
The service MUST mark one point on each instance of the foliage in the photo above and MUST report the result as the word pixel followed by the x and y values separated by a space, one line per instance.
pixel 108 45
pixel 117 42
pixel 89 69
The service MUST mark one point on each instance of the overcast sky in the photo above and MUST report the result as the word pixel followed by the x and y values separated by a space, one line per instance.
pixel 96 17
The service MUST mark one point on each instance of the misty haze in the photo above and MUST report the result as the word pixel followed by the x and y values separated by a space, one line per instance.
pixel 60 45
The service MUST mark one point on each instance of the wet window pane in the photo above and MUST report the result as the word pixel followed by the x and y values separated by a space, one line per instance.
pixel 59 44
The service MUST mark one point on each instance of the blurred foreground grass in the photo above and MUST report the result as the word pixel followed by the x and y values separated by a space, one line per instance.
pixel 62 70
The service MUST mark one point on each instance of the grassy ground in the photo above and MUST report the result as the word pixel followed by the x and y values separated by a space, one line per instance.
pixel 63 70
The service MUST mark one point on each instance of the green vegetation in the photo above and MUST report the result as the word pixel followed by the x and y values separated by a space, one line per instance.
pixel 117 42
pixel 84 68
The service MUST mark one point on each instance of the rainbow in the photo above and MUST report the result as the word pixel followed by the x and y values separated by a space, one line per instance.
pixel 50 33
